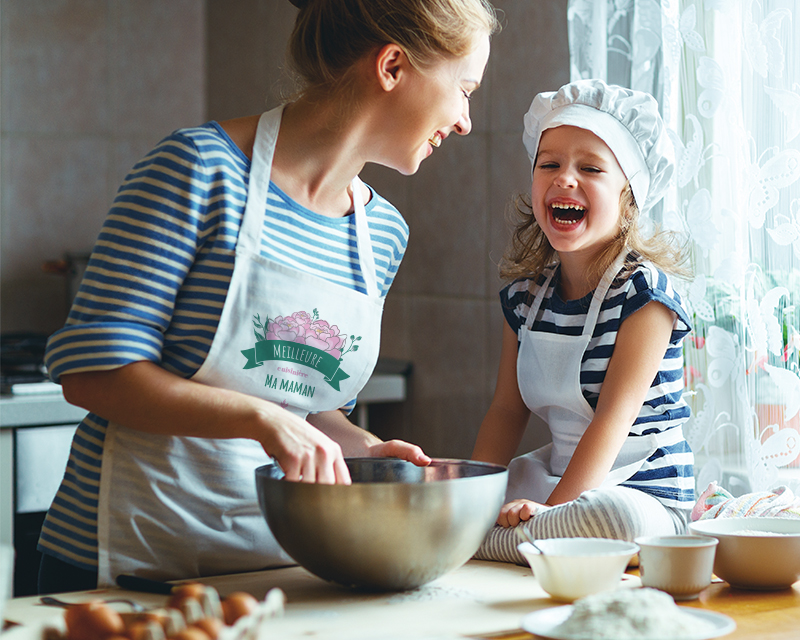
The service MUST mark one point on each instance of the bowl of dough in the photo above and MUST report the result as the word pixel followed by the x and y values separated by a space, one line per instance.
pixel 396 527
pixel 572 568
pixel 753 552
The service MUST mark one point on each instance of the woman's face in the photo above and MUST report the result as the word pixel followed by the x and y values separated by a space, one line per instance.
pixel 575 194
pixel 433 104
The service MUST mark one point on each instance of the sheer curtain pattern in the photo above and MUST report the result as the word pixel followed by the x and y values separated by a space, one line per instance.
pixel 727 76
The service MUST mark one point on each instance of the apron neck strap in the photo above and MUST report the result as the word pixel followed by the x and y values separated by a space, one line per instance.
pixel 260 172
pixel 602 289
pixel 363 239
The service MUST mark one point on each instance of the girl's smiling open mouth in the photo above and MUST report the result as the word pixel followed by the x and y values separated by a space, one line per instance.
pixel 566 213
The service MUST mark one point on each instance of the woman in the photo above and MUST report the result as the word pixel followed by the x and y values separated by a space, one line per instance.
pixel 231 308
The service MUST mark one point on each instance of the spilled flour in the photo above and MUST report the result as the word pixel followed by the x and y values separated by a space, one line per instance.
pixel 643 614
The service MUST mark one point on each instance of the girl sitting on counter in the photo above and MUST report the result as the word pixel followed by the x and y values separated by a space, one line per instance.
pixel 593 332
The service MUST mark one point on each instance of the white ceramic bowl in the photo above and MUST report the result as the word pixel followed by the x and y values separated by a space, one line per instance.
pixel 572 568
pixel 748 556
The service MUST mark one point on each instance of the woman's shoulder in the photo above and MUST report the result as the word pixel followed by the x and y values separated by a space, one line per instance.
pixel 194 159
pixel 208 142
pixel 379 207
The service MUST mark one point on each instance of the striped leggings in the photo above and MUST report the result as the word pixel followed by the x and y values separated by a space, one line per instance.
pixel 619 513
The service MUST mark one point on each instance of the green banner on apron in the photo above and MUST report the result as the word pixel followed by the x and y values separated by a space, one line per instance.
pixel 302 354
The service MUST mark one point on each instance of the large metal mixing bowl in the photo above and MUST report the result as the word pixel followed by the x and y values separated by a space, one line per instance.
pixel 398 526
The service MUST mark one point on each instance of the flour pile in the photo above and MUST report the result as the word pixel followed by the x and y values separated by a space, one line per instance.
pixel 643 614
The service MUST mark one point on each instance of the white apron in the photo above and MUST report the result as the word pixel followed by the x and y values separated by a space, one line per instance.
pixel 175 507
pixel 548 375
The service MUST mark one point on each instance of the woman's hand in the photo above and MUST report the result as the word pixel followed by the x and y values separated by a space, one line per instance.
pixel 303 452
pixel 399 449
pixel 358 443
pixel 516 511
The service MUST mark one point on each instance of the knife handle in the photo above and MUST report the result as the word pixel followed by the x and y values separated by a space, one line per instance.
pixel 145 585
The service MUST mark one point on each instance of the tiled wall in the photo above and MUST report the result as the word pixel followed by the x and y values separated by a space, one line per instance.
pixel 88 87
pixel 443 312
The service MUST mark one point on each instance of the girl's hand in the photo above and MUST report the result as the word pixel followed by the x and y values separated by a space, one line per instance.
pixel 399 449
pixel 516 511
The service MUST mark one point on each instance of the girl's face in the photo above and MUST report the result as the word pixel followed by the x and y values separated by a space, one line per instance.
pixel 575 194
pixel 433 104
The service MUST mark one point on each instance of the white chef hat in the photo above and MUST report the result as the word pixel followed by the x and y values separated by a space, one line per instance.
pixel 626 120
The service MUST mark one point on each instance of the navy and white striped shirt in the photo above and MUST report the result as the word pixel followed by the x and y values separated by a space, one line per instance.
pixel 668 473
pixel 157 280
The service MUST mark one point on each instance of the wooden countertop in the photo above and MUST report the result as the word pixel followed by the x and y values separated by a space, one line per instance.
pixel 479 600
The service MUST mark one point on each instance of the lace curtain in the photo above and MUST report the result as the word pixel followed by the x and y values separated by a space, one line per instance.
pixel 727 76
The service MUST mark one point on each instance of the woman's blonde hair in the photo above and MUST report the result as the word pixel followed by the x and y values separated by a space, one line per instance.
pixel 330 36
pixel 530 251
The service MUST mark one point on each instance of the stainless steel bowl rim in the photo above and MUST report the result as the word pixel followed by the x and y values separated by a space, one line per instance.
pixel 494 468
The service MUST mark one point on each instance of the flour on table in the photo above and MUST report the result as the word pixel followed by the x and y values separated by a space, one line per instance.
pixel 644 614
pixel 432 592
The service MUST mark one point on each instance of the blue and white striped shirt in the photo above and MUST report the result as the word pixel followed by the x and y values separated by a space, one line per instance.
pixel 157 280
pixel 668 473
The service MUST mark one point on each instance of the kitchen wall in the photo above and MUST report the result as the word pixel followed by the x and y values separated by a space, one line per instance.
pixel 88 86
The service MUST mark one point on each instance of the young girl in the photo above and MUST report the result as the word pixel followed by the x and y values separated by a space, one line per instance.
pixel 592 343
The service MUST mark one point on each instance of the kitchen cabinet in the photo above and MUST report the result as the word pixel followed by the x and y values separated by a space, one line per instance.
pixel 35 434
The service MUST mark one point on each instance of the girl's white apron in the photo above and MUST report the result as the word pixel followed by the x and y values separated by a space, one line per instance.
pixel 548 375
pixel 176 507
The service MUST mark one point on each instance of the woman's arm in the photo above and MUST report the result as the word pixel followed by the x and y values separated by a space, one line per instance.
pixel 504 424
pixel 642 341
pixel 145 397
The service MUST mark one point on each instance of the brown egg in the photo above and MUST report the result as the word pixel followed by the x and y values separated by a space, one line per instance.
pixel 212 626
pixel 93 620
pixel 236 605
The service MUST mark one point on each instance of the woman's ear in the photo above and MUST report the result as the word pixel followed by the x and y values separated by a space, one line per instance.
pixel 390 64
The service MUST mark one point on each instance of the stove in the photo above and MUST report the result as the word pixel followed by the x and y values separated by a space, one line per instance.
pixel 22 369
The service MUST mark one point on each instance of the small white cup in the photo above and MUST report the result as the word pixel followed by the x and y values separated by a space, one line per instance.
pixel 680 565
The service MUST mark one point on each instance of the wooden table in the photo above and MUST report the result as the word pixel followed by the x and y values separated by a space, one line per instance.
pixel 479 600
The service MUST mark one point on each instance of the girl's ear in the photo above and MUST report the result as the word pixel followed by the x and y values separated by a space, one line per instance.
pixel 390 64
